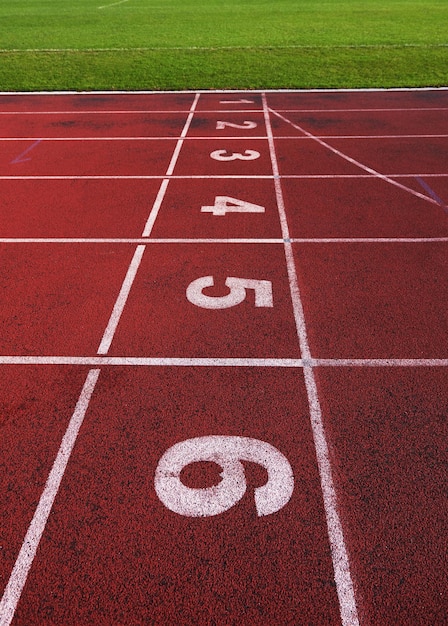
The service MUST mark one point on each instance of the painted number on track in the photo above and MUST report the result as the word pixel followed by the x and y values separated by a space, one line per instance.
pixel 227 204
pixel 227 452
pixel 245 125
pixel 224 155
pixel 237 294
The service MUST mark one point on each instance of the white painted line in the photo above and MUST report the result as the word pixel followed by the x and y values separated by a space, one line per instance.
pixel 97 361
pixel 343 579
pixel 380 362
pixel 182 137
pixel 121 301
pixel 221 177
pixel 298 138
pixel 377 110
pixel 393 46
pixel 125 361
pixel 150 177
pixel 106 6
pixel 373 240
pixel 355 162
pixel 230 241
pixel 140 240
pixel 348 176
pixel 155 138
pixel 104 112
pixel 17 580
pixel 160 196
pixel 155 208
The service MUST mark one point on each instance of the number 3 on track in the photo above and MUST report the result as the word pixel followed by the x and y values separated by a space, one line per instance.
pixel 227 452
pixel 222 155
pixel 237 294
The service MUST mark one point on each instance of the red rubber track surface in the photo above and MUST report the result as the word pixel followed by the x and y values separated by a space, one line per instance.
pixel 336 355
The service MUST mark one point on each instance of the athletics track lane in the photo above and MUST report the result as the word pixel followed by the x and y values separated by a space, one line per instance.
pixel 111 551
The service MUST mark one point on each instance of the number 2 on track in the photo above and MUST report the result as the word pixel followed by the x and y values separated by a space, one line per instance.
pixel 227 204
pixel 247 125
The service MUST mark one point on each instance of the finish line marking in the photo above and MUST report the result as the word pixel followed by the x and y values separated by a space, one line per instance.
pixel 341 564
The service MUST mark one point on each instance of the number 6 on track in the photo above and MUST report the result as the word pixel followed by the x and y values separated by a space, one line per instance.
pixel 238 291
pixel 228 452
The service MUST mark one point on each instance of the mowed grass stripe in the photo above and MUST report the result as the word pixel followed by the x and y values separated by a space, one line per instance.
pixel 192 44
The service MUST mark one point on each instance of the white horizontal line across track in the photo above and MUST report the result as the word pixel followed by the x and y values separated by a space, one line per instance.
pixel 125 112
pixel 220 137
pixel 146 138
pixel 97 361
pixel 217 177
pixel 141 240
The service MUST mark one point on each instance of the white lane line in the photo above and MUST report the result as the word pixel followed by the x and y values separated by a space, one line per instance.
pixel 121 301
pixel 70 112
pixel 134 241
pixel 328 240
pixel 97 361
pixel 17 580
pixel 379 110
pixel 121 361
pixel 373 240
pixel 151 177
pixel 155 138
pixel 122 111
pixel 380 362
pixel 343 578
pixel 136 260
pixel 163 187
pixel 305 176
pixel 220 177
pixel 155 208
pixel 344 156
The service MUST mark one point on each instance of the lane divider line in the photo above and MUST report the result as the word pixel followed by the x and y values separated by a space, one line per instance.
pixel 219 138
pixel 121 300
pixel 164 112
pixel 123 361
pixel 229 241
pixel 341 566
pixel 163 187
pixel 36 529
pixel 344 156
pixel 24 561
pixel 216 177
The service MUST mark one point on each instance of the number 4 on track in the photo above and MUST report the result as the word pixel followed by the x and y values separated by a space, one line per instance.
pixel 227 204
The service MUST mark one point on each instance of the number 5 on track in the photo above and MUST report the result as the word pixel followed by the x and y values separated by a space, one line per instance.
pixel 238 291
pixel 227 204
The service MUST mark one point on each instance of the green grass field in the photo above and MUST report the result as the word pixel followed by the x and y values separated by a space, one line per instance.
pixel 206 44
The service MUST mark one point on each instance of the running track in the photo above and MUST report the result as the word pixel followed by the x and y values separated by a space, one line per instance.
pixel 224 358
